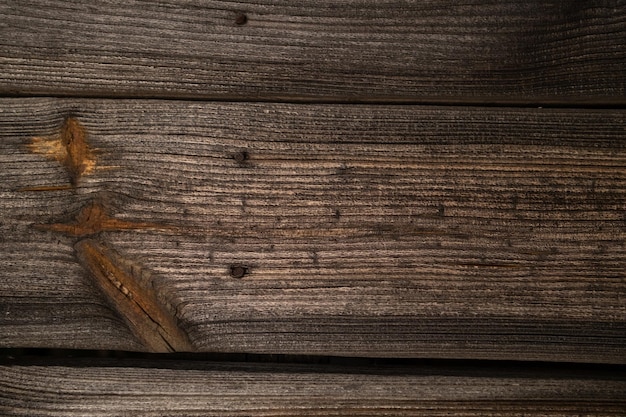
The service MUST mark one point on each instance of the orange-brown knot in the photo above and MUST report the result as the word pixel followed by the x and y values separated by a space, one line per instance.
pixel 69 147
pixel 93 219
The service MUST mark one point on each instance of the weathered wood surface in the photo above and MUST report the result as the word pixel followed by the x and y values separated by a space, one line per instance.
pixel 401 231
pixel 437 50
pixel 104 388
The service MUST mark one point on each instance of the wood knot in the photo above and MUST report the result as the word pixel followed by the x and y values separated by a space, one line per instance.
pixel 70 148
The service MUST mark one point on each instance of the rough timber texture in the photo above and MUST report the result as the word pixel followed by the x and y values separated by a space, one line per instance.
pixel 101 388
pixel 437 50
pixel 401 231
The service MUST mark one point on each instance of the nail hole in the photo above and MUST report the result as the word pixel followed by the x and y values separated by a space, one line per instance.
pixel 241 157
pixel 238 271
pixel 241 19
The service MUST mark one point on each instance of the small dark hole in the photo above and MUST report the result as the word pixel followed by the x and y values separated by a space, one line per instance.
pixel 241 157
pixel 238 271
pixel 241 19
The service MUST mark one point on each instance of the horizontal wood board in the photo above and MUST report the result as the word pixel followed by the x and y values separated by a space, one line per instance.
pixel 534 51
pixel 101 388
pixel 397 231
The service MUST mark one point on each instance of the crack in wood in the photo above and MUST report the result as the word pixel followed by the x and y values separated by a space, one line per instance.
pixel 136 301
pixel 151 319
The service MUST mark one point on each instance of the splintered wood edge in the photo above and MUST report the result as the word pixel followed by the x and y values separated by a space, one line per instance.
pixel 151 322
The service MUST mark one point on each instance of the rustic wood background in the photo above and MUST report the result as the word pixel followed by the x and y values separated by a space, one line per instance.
pixel 394 179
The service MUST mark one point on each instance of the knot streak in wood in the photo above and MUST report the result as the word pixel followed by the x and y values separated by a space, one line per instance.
pixel 70 148
pixel 155 325
pixel 93 219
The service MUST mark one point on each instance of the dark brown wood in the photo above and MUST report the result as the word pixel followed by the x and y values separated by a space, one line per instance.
pixel 105 388
pixel 347 181
pixel 397 231
pixel 437 50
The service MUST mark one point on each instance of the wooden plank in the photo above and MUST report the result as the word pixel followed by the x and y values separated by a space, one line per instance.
pixel 102 388
pixel 416 51
pixel 399 231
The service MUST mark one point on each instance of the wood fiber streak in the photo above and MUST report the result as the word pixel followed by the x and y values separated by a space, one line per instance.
pixel 396 50
pixel 401 231
pixel 183 389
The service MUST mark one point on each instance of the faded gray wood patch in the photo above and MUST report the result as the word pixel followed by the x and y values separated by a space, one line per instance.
pixel 436 50
pixel 402 231
pixel 101 388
